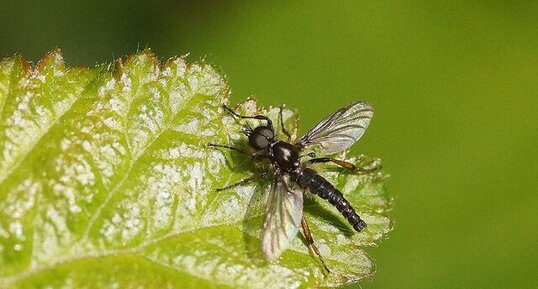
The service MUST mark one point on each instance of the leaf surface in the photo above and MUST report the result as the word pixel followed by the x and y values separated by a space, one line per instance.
pixel 106 182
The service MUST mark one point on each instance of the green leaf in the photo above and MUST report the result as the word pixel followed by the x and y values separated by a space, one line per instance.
pixel 106 182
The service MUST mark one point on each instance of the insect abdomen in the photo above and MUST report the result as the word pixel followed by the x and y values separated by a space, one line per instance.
pixel 309 179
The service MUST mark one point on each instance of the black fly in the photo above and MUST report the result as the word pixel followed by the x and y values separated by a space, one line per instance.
pixel 284 211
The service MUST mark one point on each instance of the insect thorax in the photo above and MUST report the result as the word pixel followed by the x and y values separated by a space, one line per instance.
pixel 285 155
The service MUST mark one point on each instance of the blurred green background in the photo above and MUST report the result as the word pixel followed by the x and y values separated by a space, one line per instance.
pixel 454 86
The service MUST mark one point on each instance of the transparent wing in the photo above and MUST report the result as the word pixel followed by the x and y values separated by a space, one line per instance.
pixel 341 129
pixel 282 218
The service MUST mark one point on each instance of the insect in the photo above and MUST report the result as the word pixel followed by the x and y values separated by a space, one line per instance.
pixel 292 173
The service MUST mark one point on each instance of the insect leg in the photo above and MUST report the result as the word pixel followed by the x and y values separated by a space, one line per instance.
pixel 262 117
pixel 344 164
pixel 282 124
pixel 241 182
pixel 228 147
pixel 310 241
pixel 252 155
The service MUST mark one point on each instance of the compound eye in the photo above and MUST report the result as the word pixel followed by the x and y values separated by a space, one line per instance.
pixel 266 132
pixel 258 141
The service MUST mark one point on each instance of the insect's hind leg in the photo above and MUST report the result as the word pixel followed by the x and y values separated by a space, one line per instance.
pixel 344 164
pixel 311 245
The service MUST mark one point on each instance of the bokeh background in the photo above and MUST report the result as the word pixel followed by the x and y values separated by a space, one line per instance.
pixel 454 86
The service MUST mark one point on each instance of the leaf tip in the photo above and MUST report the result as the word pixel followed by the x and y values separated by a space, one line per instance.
pixel 53 58
pixel 12 62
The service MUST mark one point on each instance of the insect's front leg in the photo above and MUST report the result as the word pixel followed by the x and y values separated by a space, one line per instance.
pixel 284 130
pixel 260 117
pixel 254 155
pixel 246 180
pixel 344 164
pixel 241 182
pixel 227 147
